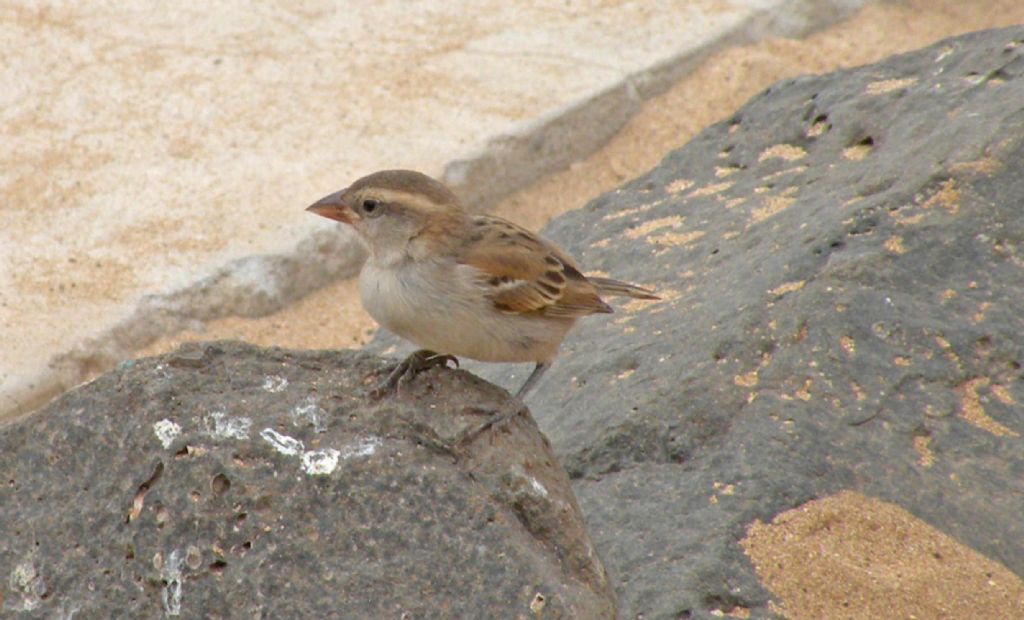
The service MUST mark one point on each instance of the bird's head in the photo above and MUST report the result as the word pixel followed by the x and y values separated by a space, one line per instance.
pixel 392 209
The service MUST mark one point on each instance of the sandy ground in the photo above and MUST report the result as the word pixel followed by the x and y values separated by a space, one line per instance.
pixel 858 570
pixel 851 556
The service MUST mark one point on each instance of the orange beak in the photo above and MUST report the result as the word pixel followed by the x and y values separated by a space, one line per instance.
pixel 333 208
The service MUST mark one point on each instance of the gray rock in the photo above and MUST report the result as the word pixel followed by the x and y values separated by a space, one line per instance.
pixel 227 481
pixel 834 311
pixel 844 271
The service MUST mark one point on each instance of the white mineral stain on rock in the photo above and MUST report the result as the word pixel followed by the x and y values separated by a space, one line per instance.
pixel 25 580
pixel 320 462
pixel 166 430
pixel 309 410
pixel 282 443
pixel 219 426
pixel 538 488
pixel 365 447
pixel 173 577
pixel 274 383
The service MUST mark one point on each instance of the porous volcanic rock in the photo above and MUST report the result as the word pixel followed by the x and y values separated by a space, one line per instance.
pixel 228 481
pixel 843 275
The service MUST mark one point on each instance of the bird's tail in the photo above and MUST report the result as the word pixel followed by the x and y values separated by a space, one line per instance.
pixel 618 288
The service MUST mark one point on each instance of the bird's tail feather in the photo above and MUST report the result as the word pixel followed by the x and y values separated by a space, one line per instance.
pixel 613 288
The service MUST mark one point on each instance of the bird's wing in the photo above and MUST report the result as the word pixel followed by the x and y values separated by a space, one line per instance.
pixel 522 273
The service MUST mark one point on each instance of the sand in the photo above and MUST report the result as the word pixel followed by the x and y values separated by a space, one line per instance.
pixel 852 556
pixel 863 566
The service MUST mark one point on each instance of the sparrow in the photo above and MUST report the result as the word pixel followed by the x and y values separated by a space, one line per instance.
pixel 460 284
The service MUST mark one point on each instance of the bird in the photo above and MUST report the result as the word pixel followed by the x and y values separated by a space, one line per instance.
pixel 462 284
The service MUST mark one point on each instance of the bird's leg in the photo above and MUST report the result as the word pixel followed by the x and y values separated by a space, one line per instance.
pixel 513 407
pixel 415 363
pixel 531 381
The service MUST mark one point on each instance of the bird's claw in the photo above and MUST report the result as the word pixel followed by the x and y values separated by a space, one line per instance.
pixel 437 359
pixel 495 417
pixel 415 363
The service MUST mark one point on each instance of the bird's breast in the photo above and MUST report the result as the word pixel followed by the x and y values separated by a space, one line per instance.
pixel 415 300
pixel 440 307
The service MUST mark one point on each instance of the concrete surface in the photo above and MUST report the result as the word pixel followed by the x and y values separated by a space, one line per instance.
pixel 158 157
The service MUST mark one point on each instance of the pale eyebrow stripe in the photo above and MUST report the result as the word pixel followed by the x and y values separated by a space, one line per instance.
pixel 406 198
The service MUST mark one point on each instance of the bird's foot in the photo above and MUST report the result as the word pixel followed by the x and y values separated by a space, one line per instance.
pixel 411 366
pixel 495 417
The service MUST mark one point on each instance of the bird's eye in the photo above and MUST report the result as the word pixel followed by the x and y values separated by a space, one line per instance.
pixel 370 205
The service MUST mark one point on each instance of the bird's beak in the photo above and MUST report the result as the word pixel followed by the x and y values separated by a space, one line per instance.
pixel 333 207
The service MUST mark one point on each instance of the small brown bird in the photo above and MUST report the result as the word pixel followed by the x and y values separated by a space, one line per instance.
pixel 459 284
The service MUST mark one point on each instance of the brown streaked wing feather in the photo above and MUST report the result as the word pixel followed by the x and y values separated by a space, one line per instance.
pixel 611 287
pixel 526 274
